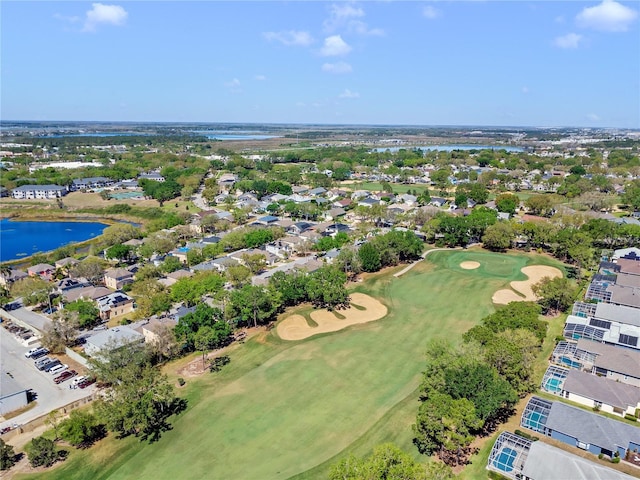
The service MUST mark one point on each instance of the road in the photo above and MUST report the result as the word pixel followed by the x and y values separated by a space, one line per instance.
pixel 49 395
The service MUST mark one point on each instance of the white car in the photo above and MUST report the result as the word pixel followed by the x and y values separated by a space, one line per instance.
pixel 32 351
pixel 58 369
pixel 77 380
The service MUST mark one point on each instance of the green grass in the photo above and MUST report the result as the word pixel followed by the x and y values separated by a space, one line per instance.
pixel 398 188
pixel 290 409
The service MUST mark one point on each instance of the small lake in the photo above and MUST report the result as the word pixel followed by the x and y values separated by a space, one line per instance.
pixel 21 239
pixel 451 148
pixel 238 135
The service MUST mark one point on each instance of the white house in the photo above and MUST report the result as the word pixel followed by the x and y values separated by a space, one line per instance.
pixel 39 191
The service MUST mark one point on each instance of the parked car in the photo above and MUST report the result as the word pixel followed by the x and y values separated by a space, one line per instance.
pixel 47 368
pixel 65 376
pixel 36 352
pixel 57 369
pixel 40 354
pixel 32 351
pixel 85 383
pixel 40 363
pixel 77 380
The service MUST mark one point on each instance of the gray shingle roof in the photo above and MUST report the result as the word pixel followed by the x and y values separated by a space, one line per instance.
pixel 591 428
pixel 618 313
pixel 545 462
pixel 601 389
pixel 621 360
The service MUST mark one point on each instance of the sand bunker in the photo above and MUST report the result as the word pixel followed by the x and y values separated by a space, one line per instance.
pixel 295 327
pixel 469 265
pixel 535 274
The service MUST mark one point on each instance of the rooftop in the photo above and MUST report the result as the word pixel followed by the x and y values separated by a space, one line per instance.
pixel 610 357
pixel 602 389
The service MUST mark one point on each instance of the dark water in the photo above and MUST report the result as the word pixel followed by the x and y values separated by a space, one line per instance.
pixel 20 239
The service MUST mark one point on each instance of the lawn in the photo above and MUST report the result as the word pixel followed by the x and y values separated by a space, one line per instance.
pixel 290 409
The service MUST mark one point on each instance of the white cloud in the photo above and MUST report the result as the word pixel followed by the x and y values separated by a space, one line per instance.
pixel 66 18
pixel 235 83
pixel 593 117
pixel 101 14
pixel 334 46
pixel 570 40
pixel 525 90
pixel 609 16
pixel 345 16
pixel 337 68
pixel 290 38
pixel 260 78
pixel 430 12
pixel 349 94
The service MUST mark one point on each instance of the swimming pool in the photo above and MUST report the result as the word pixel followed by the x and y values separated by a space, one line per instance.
pixel 505 460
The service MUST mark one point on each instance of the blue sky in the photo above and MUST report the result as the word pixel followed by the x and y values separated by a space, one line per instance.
pixel 540 63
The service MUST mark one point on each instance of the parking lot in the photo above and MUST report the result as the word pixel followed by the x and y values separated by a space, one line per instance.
pixel 49 396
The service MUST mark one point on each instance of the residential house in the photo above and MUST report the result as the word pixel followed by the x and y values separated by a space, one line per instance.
pixel 315 192
pixel 437 201
pixel 64 263
pixel 227 180
pixel 286 246
pixel 115 304
pixel 307 264
pixel 67 284
pixel 519 458
pixel 173 277
pixel 268 220
pixel 89 293
pixel 580 428
pixel 334 214
pixel 155 176
pixel 156 327
pixel 219 264
pixel 592 391
pixel 609 361
pixel 112 338
pixel 299 227
pixel 117 278
pixel 42 270
pixel 611 324
pixel 29 192
pixel 369 202
pixel 7 279
pixel 90 183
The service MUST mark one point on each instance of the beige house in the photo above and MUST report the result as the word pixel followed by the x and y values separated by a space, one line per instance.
pixel 116 278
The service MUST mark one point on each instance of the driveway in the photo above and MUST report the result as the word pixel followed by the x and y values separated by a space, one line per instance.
pixel 49 395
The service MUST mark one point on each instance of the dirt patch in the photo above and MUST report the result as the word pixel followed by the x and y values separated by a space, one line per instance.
pixel 295 327
pixel 469 265
pixel 525 293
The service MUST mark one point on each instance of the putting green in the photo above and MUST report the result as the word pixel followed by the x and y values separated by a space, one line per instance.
pixel 285 408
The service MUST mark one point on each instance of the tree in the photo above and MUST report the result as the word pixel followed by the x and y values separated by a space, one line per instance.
pixel 171 264
pixel 62 332
pixel 255 262
pixel 42 452
pixel 507 202
pixel 33 290
pixel 140 399
pixel 556 295
pixel 445 424
pixel 88 314
pixel 189 326
pixel 498 236
pixel 118 252
pixel 81 429
pixel 325 288
pixel 91 268
pixel 291 286
pixel 540 204
pixel 120 233
pixel 203 340
pixel 238 275
pixel 191 289
pixel 349 261
pixel 369 257
pixel 253 305
pixel 388 462
pixel 7 456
